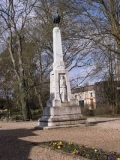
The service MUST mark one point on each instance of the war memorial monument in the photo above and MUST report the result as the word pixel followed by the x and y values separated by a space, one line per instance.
pixel 61 110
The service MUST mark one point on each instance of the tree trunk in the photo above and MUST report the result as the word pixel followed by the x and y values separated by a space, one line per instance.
pixel 39 99
pixel 23 99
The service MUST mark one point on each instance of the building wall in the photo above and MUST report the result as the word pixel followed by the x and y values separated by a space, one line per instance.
pixel 98 95
pixel 86 99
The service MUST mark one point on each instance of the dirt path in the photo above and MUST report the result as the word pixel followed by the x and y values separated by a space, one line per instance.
pixel 16 139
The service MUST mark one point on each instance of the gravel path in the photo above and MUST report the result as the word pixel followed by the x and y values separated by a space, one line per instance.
pixel 16 139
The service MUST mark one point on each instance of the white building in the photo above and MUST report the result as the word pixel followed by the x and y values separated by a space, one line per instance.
pixel 85 96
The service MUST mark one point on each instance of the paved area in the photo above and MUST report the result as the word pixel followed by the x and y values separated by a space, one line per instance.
pixel 16 139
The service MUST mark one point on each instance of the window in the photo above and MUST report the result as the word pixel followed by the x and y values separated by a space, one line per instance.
pixel 76 96
pixel 91 94
pixel 81 103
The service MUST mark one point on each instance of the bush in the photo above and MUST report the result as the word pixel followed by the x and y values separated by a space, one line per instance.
pixel 85 111
pixel 101 109
pixel 16 117
pixel 36 114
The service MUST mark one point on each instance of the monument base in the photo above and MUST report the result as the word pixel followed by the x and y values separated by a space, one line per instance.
pixel 66 116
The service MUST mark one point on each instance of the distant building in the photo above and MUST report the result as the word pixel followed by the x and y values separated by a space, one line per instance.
pixel 92 96
pixel 85 96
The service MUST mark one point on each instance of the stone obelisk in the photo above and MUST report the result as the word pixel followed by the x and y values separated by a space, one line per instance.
pixel 61 110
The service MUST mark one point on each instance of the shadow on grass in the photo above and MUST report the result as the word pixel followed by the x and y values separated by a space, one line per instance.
pixel 12 147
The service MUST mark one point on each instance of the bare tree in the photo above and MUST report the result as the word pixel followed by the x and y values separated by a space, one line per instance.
pixel 76 48
pixel 14 16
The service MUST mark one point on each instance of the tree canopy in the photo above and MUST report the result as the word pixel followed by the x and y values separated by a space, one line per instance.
pixel 90 40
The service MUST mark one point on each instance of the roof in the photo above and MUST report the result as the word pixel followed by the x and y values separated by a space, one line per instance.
pixel 83 89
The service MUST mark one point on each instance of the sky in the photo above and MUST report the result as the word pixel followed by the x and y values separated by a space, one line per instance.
pixel 77 72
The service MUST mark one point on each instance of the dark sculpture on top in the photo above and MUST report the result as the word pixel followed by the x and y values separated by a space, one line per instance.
pixel 56 18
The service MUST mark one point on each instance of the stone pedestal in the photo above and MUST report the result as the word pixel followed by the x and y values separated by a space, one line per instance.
pixel 61 116
pixel 61 110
